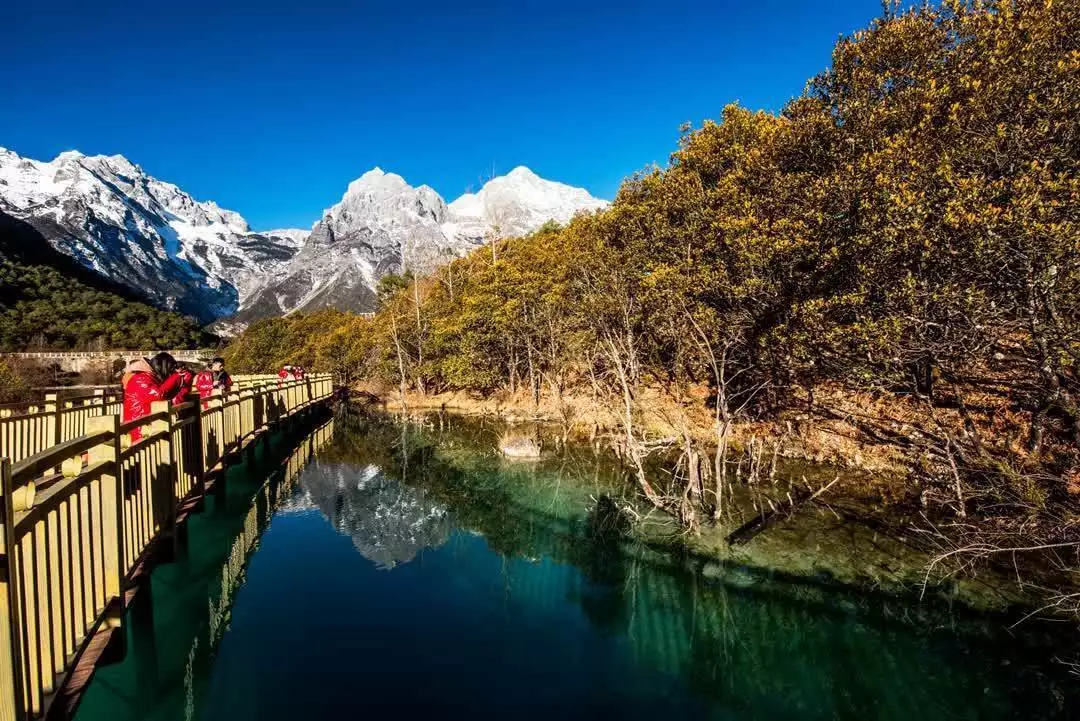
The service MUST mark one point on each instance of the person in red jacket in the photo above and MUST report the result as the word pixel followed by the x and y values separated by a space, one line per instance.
pixel 211 379
pixel 147 381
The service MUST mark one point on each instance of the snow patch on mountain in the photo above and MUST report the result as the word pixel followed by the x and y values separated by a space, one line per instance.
pixel 296 236
pixel 204 260
pixel 107 213
pixel 516 204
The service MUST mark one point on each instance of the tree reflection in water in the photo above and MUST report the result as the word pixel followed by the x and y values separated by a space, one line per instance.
pixel 755 641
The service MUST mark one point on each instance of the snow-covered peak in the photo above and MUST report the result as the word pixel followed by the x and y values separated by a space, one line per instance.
pixel 517 203
pixel 69 156
pixel 522 172
pixel 381 199
pixel 109 214
pixel 376 182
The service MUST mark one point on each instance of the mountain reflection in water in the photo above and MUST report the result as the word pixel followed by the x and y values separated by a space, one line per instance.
pixel 410 571
pixel 389 522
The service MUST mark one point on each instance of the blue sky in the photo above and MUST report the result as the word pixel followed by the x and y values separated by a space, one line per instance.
pixel 272 108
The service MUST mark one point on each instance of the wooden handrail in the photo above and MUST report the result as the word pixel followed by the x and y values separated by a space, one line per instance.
pixel 41 462
pixel 145 420
pixel 48 499
pixel 68 554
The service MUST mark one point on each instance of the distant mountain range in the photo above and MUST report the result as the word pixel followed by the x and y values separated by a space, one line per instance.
pixel 202 260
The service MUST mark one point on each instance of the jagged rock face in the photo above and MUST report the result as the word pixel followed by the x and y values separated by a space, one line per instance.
pixel 108 214
pixel 383 225
pixel 203 260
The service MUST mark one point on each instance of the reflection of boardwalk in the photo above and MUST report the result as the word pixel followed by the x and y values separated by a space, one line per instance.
pixel 174 628
pixel 267 500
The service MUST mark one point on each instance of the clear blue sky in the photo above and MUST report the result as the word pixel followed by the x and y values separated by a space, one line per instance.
pixel 271 108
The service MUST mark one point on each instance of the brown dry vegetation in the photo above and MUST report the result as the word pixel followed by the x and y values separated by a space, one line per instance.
pixel 886 274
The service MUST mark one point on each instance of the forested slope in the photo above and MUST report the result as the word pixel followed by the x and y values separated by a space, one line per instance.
pixel 48 300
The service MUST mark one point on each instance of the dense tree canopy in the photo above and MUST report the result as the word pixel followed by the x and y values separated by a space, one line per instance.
pixel 910 219
pixel 44 308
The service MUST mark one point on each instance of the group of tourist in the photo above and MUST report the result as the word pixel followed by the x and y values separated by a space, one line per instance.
pixel 161 378
pixel 290 373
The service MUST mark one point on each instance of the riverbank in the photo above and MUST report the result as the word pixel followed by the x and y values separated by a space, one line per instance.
pixel 834 433
pixel 871 443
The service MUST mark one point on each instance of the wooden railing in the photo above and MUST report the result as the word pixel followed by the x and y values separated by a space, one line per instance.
pixel 30 428
pixel 81 513
pixel 185 355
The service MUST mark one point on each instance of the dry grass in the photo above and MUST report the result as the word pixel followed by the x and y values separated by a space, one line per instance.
pixel 821 439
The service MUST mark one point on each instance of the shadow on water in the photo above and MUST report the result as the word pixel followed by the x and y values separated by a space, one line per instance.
pixel 410 571
pixel 176 621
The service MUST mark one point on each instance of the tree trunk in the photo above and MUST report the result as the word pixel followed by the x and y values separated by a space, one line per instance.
pixel 400 360
pixel 534 385
pixel 419 337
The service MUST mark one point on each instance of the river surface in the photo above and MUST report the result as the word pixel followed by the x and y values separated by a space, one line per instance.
pixel 402 571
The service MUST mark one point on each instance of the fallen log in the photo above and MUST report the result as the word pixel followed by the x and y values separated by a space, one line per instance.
pixel 760 522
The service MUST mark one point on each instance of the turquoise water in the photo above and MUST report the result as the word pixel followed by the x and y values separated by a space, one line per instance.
pixel 409 572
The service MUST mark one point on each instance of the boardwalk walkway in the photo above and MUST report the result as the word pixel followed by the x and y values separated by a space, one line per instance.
pixel 84 509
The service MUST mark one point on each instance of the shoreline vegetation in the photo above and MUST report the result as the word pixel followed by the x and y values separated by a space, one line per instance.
pixel 854 548
pixel 885 274
pixel 843 474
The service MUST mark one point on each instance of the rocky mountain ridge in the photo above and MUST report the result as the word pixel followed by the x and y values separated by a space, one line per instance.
pixel 203 260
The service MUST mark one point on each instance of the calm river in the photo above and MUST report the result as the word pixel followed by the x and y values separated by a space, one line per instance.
pixel 408 572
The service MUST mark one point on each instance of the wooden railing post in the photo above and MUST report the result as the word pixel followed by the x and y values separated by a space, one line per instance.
pixel 111 507
pixel 237 411
pixel 195 452
pixel 214 429
pixel 164 507
pixel 52 405
pixel 11 683
pixel 247 412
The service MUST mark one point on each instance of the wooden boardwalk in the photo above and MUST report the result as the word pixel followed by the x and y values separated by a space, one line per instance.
pixel 84 510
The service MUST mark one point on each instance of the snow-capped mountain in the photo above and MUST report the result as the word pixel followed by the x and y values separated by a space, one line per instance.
pixel 384 225
pixel 200 259
pixel 516 204
pixel 108 214
pixel 381 225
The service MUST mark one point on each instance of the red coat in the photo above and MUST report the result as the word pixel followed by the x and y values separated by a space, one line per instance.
pixel 142 389
pixel 206 382
pixel 297 373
